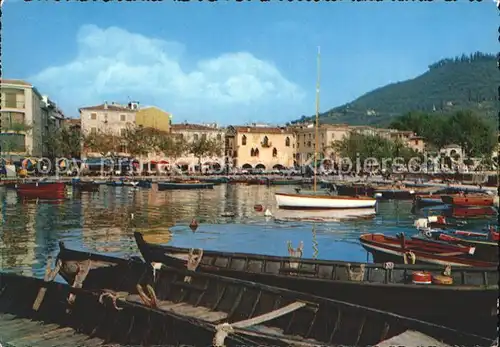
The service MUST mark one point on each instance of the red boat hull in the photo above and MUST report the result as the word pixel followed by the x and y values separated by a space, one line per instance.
pixel 42 190
pixel 467 200
pixel 471 212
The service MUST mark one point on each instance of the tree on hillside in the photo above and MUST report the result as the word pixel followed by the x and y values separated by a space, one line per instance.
pixel 205 148
pixel 475 135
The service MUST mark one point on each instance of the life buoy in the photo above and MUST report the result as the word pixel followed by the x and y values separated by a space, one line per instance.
pixel 440 279
pixel 421 277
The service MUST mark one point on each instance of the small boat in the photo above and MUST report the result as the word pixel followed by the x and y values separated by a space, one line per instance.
pixel 130 183
pixel 145 183
pixel 439 222
pixel 422 200
pixel 322 201
pixel 394 194
pixel 85 186
pixel 399 249
pixel 46 190
pixel 184 185
pixel 485 249
pixel 471 212
pixel 215 180
pixel 475 288
pixel 114 183
pixel 284 182
pixel 467 200
pixel 36 312
pixel 269 315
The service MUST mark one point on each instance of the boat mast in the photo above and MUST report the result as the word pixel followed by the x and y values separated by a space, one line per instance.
pixel 316 135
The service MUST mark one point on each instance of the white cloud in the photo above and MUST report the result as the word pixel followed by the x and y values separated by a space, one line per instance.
pixel 113 64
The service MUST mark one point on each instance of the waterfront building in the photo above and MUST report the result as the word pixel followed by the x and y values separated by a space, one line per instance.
pixel 109 118
pixel 194 132
pixel 28 120
pixel 153 117
pixel 260 147
pixel 306 137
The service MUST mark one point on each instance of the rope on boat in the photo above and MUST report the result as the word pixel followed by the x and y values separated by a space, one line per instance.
pixel 113 296
pixel 224 329
pixel 50 275
pixel 148 299
pixel 81 275
pixel 356 275
pixel 409 256
pixel 193 261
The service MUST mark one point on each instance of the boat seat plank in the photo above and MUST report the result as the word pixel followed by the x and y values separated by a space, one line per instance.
pixel 183 308
pixel 411 338
pixel 269 315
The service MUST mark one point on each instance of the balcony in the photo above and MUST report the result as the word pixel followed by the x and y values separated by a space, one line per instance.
pixel 13 104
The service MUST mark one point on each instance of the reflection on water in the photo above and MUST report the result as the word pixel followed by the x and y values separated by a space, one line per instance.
pixel 104 221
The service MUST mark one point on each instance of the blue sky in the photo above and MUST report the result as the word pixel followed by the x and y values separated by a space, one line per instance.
pixel 233 62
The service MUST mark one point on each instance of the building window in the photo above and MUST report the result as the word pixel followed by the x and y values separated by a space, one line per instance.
pixel 416 142
pixel 123 117
pixel 93 130
pixel 195 137
pixel 123 148
pixel 123 132
pixel 93 116
pixel 203 137
pixel 275 152
pixel 252 153
pixel 287 141
pixel 219 137
pixel 265 142
pixel 244 140
pixel 256 152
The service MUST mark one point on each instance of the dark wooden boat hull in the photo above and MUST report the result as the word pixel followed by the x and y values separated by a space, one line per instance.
pixel 86 187
pixel 395 194
pixel 88 322
pixel 319 320
pixel 426 200
pixel 381 288
pixel 185 186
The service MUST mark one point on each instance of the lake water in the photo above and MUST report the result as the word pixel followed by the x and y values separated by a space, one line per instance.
pixel 104 222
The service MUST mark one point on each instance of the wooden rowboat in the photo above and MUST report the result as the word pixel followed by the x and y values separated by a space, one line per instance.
pixel 467 200
pixel 484 249
pixel 46 190
pixel 359 283
pixel 398 249
pixel 427 200
pixel 260 312
pixel 323 201
pixel 34 312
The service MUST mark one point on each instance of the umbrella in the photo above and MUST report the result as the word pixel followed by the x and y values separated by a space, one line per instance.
pixel 28 163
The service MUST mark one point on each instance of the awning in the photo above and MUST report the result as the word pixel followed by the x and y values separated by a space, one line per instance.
pixel 28 163
pixel 161 162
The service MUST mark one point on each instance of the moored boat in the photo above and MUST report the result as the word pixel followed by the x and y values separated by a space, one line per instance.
pixel 34 312
pixel 86 186
pixel 322 201
pixel 471 212
pixel 467 200
pixel 272 315
pixel 399 249
pixel 485 249
pixel 391 284
pixel 184 185
pixel 394 194
pixel 422 200
pixel 48 190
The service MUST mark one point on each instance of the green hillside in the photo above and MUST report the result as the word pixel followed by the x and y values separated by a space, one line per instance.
pixel 466 82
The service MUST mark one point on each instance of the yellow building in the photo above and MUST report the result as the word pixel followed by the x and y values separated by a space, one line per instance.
pixel 260 147
pixel 153 117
